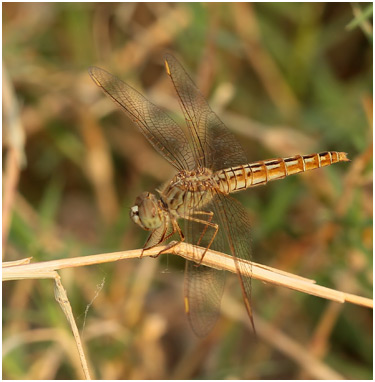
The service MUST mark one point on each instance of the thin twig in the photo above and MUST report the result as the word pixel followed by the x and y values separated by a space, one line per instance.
pixel 62 298
pixel 211 259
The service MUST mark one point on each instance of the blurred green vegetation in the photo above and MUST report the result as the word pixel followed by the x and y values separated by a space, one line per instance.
pixel 287 78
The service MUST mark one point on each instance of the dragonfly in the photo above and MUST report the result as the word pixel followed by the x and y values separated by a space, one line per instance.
pixel 196 203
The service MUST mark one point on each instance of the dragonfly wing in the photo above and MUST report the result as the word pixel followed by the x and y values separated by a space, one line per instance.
pixel 203 291
pixel 235 226
pixel 213 145
pixel 204 286
pixel 159 129
pixel 223 147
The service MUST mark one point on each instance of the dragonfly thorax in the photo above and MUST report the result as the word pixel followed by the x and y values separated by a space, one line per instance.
pixel 188 190
pixel 147 212
pixel 196 180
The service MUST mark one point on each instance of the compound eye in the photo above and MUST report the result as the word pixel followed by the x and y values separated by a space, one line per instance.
pixel 134 212
pixel 146 213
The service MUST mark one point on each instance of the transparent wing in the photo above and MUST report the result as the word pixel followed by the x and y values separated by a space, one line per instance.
pixel 204 286
pixel 203 291
pixel 235 224
pixel 213 145
pixel 160 130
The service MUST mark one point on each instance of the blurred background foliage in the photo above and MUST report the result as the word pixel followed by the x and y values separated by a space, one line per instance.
pixel 287 79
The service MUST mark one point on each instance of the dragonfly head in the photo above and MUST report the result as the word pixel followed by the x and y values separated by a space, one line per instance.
pixel 146 212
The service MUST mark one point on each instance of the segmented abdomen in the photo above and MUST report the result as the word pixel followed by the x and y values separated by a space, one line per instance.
pixel 254 174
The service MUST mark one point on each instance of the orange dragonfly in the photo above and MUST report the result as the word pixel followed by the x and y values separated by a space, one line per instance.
pixel 210 165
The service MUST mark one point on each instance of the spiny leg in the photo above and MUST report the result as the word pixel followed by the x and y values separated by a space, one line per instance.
pixel 206 224
pixel 176 228
pixel 145 245
pixel 162 238
pixel 211 215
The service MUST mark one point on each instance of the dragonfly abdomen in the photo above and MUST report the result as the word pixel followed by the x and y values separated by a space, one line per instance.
pixel 239 178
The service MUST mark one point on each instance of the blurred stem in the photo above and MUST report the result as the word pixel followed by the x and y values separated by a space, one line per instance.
pixel 361 19
pixel 15 156
pixel 211 259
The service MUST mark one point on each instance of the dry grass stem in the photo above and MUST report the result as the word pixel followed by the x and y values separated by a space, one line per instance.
pixel 212 259
pixel 268 71
pixel 310 363
pixel 61 346
pixel 62 298
pixel 15 140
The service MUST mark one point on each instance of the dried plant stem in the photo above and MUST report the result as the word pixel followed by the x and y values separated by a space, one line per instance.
pixel 211 259
pixel 23 269
pixel 15 137
pixel 310 363
pixel 62 298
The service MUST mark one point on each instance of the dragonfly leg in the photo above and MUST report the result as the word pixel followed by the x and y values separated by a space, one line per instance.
pixel 211 215
pixel 145 245
pixel 176 228
pixel 206 223
pixel 154 234
pixel 167 248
